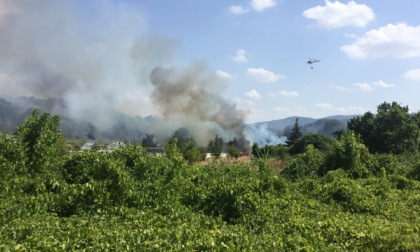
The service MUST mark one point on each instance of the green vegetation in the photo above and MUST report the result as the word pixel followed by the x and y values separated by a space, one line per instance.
pixel 295 134
pixel 339 197
pixel 215 146
pixel 187 146
pixel 392 130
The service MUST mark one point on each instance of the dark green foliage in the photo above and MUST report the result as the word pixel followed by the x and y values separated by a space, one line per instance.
pixel 234 193
pixel 186 145
pixel 94 181
pixel 392 130
pixel 12 160
pixel 388 162
pixel 256 151
pixel 415 173
pixel 233 151
pixel 193 153
pixel 279 151
pixel 129 200
pixel 235 147
pixel 215 146
pixel 304 165
pixel 349 154
pixel 318 141
pixel 40 137
pixel 241 143
pixel 295 134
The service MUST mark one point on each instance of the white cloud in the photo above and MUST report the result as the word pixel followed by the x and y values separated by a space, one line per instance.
pixel 261 5
pixel 340 110
pixel 253 94
pixel 368 87
pixel 324 105
pixel 340 88
pixel 351 35
pixel 282 109
pixel 223 75
pixel 241 56
pixel 336 14
pixel 390 41
pixel 257 5
pixel 284 93
pixel 413 74
pixel 238 9
pixel 263 75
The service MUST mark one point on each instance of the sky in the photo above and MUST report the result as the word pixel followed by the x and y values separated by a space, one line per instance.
pixel 255 52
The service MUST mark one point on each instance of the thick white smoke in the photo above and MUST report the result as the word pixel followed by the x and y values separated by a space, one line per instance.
pixel 71 50
pixel 99 58
pixel 261 135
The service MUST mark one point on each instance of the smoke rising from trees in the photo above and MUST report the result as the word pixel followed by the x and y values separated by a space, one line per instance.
pixel 99 59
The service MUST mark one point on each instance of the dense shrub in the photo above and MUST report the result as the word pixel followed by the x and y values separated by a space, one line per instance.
pixel 131 200
pixel 276 151
pixel 415 173
pixel 318 141
pixel 349 154
pixel 304 165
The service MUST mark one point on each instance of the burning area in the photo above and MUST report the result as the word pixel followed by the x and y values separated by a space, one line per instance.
pixel 94 71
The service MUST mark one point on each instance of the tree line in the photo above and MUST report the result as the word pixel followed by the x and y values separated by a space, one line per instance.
pixel 332 194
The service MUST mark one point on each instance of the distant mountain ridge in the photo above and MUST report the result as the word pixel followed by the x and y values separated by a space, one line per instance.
pixel 327 125
pixel 14 110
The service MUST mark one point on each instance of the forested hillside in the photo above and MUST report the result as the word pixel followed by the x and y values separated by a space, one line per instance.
pixel 328 195
pixel 13 112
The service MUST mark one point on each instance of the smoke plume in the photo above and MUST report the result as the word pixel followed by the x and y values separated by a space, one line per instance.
pixel 194 94
pixel 98 60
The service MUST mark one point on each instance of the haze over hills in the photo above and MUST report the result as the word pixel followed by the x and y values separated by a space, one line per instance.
pixel 14 110
pixel 326 125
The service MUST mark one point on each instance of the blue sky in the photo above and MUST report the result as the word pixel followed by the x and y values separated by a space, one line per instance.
pixel 369 50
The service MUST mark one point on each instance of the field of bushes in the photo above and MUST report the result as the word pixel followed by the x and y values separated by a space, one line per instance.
pixel 337 197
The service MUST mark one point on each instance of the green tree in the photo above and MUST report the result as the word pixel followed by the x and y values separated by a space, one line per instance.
pixel 233 151
pixel 193 153
pixel 305 164
pixel 319 141
pixel 186 145
pixel 416 119
pixel 295 134
pixel 183 136
pixel 215 146
pixel 12 159
pixel 236 146
pixel 365 127
pixel 392 130
pixel 42 142
pixel 350 154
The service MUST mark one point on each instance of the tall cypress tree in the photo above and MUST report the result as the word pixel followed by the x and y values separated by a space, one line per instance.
pixel 295 134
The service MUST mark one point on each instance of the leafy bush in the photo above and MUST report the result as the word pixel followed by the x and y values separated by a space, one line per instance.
pixel 233 151
pixel 277 151
pixel 415 173
pixel 318 141
pixel 131 200
pixel 349 154
pixel 304 165
pixel 41 139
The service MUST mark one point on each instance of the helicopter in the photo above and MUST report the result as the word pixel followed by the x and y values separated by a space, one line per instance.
pixel 312 61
